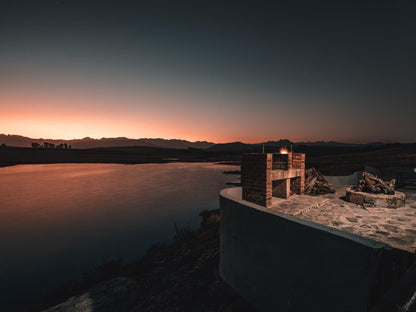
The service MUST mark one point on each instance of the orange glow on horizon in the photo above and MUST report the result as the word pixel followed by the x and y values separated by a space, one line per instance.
pixel 54 116
pixel 37 113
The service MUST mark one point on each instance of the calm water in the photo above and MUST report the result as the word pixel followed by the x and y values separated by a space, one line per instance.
pixel 57 221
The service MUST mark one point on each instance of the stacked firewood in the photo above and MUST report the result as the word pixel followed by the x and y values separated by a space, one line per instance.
pixel 315 183
pixel 372 184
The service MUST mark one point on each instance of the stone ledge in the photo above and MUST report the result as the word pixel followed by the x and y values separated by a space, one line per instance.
pixel 376 200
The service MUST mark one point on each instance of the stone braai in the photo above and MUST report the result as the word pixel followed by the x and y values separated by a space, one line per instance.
pixel 264 175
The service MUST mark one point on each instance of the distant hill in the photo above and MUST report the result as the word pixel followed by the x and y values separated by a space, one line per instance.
pixel 320 147
pixel 328 143
pixel 339 144
pixel 280 143
pixel 22 141
pixel 269 146
pixel 232 147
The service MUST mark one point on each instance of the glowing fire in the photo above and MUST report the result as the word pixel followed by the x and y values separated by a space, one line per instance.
pixel 284 150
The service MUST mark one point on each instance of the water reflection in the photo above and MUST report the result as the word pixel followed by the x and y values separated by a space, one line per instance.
pixel 57 221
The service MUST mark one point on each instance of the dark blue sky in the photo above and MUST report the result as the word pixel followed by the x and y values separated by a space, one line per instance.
pixel 207 70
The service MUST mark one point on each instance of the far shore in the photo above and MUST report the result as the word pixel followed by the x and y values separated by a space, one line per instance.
pixel 225 163
pixel 11 156
pixel 330 162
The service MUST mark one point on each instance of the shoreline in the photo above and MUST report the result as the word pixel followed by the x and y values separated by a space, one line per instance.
pixel 176 276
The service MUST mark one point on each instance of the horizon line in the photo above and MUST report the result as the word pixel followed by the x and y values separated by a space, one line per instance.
pixel 228 142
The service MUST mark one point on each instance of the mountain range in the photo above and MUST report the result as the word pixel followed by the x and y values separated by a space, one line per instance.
pixel 87 142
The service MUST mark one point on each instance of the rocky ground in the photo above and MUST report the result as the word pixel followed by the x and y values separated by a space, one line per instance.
pixel 183 276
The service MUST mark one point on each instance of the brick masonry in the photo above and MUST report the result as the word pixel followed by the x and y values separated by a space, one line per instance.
pixel 256 176
pixel 298 184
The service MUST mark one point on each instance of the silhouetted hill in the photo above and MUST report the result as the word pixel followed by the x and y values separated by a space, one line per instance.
pixel 313 148
pixel 379 156
pixel 269 146
pixel 22 141
pixel 276 144
pixel 329 143
pixel 233 147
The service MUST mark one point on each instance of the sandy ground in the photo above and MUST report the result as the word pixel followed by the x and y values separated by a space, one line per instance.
pixel 395 227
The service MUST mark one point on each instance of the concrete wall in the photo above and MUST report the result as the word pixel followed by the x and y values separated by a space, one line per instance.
pixel 344 180
pixel 282 263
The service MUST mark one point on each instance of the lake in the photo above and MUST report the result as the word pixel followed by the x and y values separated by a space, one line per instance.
pixel 58 221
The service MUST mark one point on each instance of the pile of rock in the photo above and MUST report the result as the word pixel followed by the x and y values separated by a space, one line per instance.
pixel 374 185
pixel 315 183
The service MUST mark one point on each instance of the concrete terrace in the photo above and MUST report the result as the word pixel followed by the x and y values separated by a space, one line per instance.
pixel 394 227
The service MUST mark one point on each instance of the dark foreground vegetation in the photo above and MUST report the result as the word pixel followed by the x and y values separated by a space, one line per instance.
pixel 182 276
pixel 328 159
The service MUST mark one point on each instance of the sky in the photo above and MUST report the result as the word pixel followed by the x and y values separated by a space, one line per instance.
pixel 219 71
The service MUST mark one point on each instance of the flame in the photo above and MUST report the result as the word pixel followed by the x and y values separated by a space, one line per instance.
pixel 284 150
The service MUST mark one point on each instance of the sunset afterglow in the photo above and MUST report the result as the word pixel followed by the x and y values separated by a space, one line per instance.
pixel 124 71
